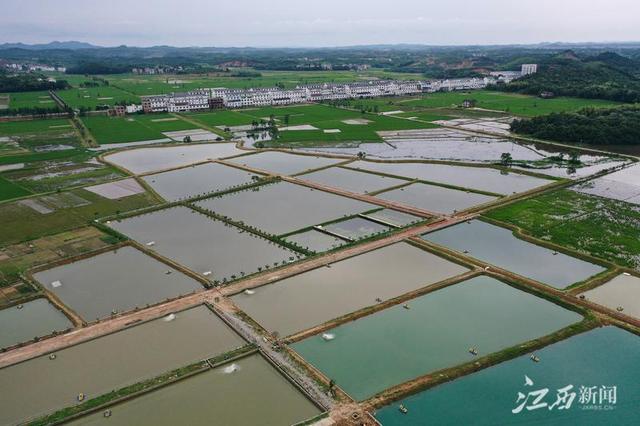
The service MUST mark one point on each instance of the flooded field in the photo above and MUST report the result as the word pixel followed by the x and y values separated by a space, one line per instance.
pixel 198 180
pixel 483 179
pixel 490 395
pixel 202 244
pixel 356 228
pixel 352 180
pixel 283 163
pixel 623 185
pixel 23 322
pixel 436 332
pixel 253 393
pixel 435 198
pixel 394 218
pixel 284 207
pixel 144 160
pixel 111 362
pixel 312 298
pixel 498 246
pixel 115 281
pixel 316 241
pixel 621 293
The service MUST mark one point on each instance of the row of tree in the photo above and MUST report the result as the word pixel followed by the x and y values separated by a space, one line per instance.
pixel 595 126
pixel 29 83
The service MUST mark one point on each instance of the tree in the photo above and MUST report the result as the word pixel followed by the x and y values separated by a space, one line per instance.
pixel 186 139
pixel 286 119
pixel 506 159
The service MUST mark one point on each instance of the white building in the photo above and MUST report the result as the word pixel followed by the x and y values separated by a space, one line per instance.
pixel 529 69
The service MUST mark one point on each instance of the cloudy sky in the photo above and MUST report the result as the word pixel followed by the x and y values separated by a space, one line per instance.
pixel 318 22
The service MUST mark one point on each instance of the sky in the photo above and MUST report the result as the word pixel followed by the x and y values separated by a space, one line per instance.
pixel 303 23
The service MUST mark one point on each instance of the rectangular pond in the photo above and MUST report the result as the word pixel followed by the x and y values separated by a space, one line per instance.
pixel 479 178
pixel 317 296
pixel 197 180
pixel 283 163
pixel 41 385
pixel 352 180
pixel 394 218
pixel 248 392
pixel 498 246
pixel 488 397
pixel 202 244
pixel 398 344
pixel 144 160
pixel 316 241
pixel 621 293
pixel 435 198
pixel 115 281
pixel 284 207
pixel 356 228
pixel 36 318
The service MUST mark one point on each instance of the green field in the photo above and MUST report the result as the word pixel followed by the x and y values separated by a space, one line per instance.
pixel 30 100
pixel 93 97
pixel 9 190
pixel 516 104
pixel 23 139
pixel 605 228
pixel 133 128
pixel 12 128
pixel 21 223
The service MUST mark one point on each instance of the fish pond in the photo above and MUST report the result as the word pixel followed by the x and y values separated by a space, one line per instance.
pixel 32 319
pixel 429 333
pixel 488 397
pixel 498 246
pixel 352 180
pixel 248 392
pixel 621 293
pixel 115 281
pixel 191 181
pixel 284 207
pixel 317 296
pixel 49 382
pixel 202 244
pixel 356 228
pixel 316 241
pixel 283 163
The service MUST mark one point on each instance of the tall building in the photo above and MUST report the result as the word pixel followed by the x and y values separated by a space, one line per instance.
pixel 529 69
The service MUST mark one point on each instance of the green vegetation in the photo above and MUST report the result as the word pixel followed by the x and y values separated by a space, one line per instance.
pixel 605 76
pixel 522 105
pixel 607 229
pixel 133 128
pixel 90 98
pixel 71 209
pixel 38 103
pixel 42 156
pixel 9 190
pixel 29 83
pixel 610 126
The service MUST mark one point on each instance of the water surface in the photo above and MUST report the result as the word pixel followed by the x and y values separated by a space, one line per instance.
pixel 352 180
pixel 117 280
pixel 621 292
pixel 316 241
pixel 317 296
pixel 23 322
pixel 41 385
pixel 488 396
pixel 498 246
pixel 435 198
pixel 398 344
pixel 283 163
pixel 356 228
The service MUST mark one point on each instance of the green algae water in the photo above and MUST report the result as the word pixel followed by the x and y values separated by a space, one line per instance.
pixel 606 356
pixel 392 346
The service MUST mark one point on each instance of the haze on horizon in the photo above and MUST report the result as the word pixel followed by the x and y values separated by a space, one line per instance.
pixel 295 23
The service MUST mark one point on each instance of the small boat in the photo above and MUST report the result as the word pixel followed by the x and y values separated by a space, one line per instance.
pixel 619 309
pixel 535 358
pixel 151 243
pixel 56 284
pixel 170 317
pixel 328 336
pixel 206 273
pixel 626 274
pixel 20 306
pixel 403 409
pixel 378 300
pixel 167 272
pixel 473 351
pixel 406 306
pixel 52 357
pixel 81 396
pixel 107 413
pixel 249 292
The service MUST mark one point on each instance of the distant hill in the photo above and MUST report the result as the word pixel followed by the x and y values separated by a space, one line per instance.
pixel 603 76
pixel 69 45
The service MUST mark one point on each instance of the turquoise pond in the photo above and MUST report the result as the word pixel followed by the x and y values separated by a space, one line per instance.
pixel 392 346
pixel 606 356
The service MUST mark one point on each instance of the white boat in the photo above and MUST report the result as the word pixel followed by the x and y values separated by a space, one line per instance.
pixel 328 336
